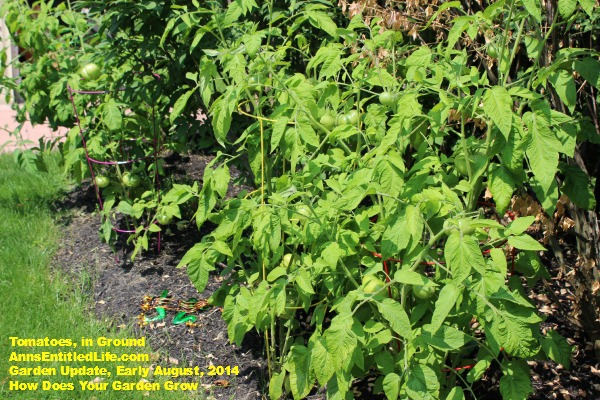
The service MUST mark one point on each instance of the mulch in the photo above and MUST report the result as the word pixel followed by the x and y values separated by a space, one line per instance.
pixel 118 286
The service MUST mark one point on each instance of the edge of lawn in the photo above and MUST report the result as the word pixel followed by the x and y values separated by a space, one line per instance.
pixel 41 302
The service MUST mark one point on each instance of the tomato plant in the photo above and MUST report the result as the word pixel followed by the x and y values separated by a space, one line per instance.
pixel 377 193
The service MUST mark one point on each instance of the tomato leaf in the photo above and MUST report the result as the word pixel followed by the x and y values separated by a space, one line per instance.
pixel 525 242
pixel 557 348
pixel 516 381
pixel 180 104
pixel 444 304
pixel 396 316
pixel 497 105
pixel 391 386
pixel 463 256
pixel 422 383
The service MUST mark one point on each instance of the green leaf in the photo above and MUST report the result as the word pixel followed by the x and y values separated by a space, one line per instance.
pixel 497 105
pixel 303 281
pixel 329 57
pixel 589 69
pixel 299 366
pixel 511 331
pixel 577 187
pixel 445 338
pixel 394 313
pixel 456 394
pixel 463 255
pixel 444 304
pixel 478 370
pixel 566 8
pixel 323 21
pixel 557 348
pixel 180 104
pixel 420 57
pixel 515 383
pixel 322 361
pixel 222 248
pixel 391 386
pixel 396 237
pixel 542 150
pixel 410 277
pixel 422 383
pixel 279 127
pixel 534 8
pixel 341 341
pixel 564 84
pixel 276 385
pixel 530 265
pixel 588 6
pixel 519 225
pixel 525 242
pixel 502 186
pixel 111 115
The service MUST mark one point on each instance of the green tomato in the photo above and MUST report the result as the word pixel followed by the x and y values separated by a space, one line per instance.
pixel 387 99
pixel 91 72
pixel 102 181
pixel 303 212
pixel 353 117
pixel 460 163
pixel 163 219
pixel 492 51
pixel 131 180
pixel 464 226
pixel 450 225
pixel 254 84
pixel 342 119
pixel 372 284
pixel 327 121
pixel 423 291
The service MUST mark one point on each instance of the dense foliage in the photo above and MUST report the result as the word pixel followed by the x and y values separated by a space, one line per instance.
pixel 369 151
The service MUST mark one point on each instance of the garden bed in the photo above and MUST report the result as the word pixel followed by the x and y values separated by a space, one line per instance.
pixel 117 287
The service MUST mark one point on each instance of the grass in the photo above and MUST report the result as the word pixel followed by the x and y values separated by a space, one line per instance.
pixel 39 302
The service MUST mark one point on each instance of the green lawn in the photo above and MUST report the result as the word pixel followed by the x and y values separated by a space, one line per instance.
pixel 39 302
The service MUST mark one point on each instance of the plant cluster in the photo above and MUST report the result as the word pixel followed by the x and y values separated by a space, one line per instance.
pixel 364 249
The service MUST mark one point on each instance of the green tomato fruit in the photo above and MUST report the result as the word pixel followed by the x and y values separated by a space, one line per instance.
pixel 163 219
pixel 450 225
pixel 372 284
pixel 102 181
pixel 387 99
pixel 303 212
pixel 341 120
pixel 353 117
pixel 423 291
pixel 460 163
pixel 91 72
pixel 464 226
pixel 254 84
pixel 327 121
pixel 492 51
pixel 131 180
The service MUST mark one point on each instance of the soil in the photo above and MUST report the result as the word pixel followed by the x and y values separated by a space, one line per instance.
pixel 118 287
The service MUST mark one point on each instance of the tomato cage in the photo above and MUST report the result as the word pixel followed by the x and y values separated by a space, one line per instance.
pixel 126 158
